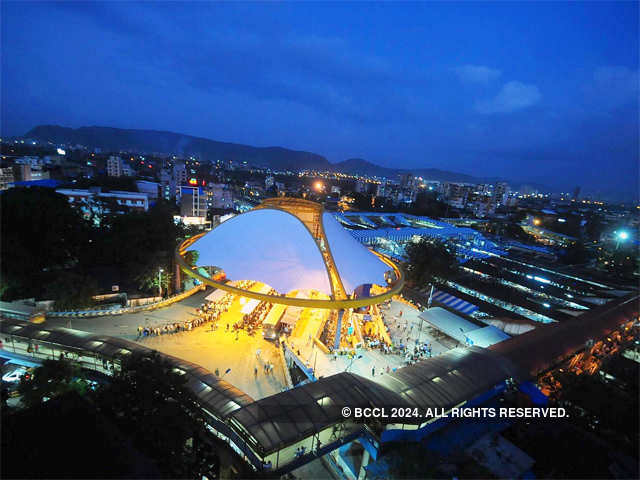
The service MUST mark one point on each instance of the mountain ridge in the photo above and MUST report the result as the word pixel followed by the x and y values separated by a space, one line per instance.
pixel 276 157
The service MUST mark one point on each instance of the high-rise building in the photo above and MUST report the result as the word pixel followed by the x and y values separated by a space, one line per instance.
pixel 456 194
pixel 361 186
pixel 22 173
pixel 114 166
pixel 576 193
pixel 6 178
pixel 193 202
pixel 219 195
pixel 407 181
pixel 269 181
pixel 180 174
pixel 501 193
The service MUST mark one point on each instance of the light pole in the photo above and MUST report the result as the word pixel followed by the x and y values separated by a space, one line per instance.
pixel 621 237
pixel 160 282
pixel 351 363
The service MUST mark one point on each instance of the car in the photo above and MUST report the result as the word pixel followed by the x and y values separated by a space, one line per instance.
pixel 15 375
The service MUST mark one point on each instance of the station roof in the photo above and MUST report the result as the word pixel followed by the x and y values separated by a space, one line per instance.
pixel 356 265
pixel 218 396
pixel 275 247
pixel 441 382
pixel 266 245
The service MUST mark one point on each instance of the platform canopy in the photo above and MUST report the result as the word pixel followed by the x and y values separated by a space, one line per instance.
pixel 461 329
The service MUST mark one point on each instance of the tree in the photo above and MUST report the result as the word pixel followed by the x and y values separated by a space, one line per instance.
pixel 40 233
pixel 52 378
pixel 428 260
pixel 575 254
pixel 137 244
pixel 427 204
pixel 71 290
pixel 150 401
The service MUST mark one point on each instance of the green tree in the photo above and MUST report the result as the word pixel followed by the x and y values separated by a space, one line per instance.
pixel 70 290
pixel 52 378
pixel 575 254
pixel 138 244
pixel 40 233
pixel 150 401
pixel 429 260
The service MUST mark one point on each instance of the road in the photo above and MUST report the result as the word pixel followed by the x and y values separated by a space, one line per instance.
pixel 126 325
pixel 210 349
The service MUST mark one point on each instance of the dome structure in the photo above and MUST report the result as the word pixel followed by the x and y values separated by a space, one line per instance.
pixel 270 246
pixel 292 245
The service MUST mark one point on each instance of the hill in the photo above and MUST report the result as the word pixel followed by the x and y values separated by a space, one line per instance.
pixel 148 141
pixel 117 139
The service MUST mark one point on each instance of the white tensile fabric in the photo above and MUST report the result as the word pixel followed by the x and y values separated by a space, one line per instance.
pixel 356 264
pixel 266 245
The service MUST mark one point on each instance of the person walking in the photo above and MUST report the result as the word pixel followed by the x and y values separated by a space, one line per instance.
pixel 373 371
pixel 217 372
pixel 255 372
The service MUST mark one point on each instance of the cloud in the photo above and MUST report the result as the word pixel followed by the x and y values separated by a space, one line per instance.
pixel 477 74
pixel 513 96
pixel 615 86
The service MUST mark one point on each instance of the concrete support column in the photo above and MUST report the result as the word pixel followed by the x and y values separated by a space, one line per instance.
pixel 178 279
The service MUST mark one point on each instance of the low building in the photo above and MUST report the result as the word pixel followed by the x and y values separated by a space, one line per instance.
pixel 6 178
pixel 150 188
pixel 82 198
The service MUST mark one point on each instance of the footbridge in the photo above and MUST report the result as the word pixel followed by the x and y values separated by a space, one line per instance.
pixel 293 427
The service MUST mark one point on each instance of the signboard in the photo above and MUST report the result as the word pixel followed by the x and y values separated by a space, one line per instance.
pixel 115 288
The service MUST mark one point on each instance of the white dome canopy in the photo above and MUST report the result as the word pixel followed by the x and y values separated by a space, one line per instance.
pixel 275 247
pixel 266 245
pixel 355 263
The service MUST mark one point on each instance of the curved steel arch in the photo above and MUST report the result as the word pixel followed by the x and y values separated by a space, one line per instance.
pixel 296 302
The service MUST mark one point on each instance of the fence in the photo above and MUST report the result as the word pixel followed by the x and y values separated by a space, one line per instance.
pixel 131 309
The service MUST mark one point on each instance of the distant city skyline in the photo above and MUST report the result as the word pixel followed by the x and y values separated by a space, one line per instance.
pixel 546 92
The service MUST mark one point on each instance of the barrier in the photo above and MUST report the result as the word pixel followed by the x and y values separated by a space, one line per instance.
pixel 134 309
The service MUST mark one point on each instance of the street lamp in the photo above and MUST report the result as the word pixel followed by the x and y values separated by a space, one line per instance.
pixel 160 282
pixel 351 363
pixel 621 236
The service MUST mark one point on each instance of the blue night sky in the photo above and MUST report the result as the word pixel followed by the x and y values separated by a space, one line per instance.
pixel 541 91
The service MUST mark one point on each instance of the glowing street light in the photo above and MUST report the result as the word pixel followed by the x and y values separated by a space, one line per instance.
pixel 621 236
pixel 318 186
pixel 160 282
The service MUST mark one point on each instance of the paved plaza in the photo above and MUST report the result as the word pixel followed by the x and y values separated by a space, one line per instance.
pixel 220 349
pixel 373 363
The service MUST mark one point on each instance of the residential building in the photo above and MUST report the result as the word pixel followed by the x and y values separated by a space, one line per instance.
pixel 150 188
pixel 114 166
pixel 6 178
pixel 22 173
pixel 193 202
pixel 501 193
pixel 82 197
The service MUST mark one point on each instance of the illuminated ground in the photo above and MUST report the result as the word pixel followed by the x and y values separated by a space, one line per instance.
pixel 211 350
pixel 325 365
pixel 220 349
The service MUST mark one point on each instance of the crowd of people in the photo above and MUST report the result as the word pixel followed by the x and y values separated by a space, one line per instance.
pixel 207 313
pixel 174 327
pixel 252 321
